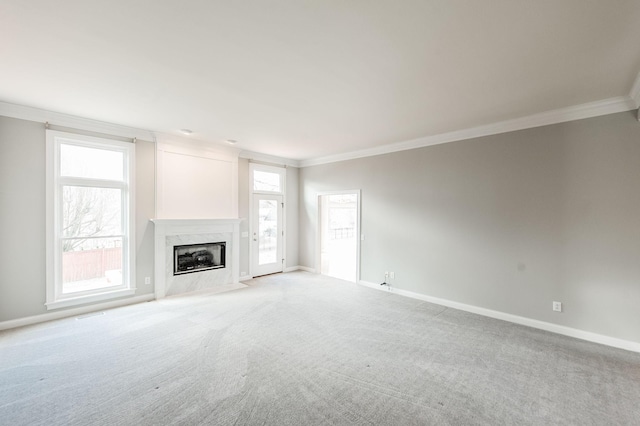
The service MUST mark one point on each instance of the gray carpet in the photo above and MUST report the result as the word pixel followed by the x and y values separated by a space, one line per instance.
pixel 300 349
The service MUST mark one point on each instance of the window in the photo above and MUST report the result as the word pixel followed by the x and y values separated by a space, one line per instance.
pixel 267 179
pixel 89 219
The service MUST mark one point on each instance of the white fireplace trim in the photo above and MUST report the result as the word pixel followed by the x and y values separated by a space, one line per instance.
pixel 169 227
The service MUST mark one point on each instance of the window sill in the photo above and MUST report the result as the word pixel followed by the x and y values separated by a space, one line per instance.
pixel 65 303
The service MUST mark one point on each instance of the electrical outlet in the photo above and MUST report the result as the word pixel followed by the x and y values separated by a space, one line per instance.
pixel 392 274
pixel 557 306
pixel 386 274
pixel 147 280
pixel 362 237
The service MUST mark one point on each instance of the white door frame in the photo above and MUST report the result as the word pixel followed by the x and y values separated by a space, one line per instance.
pixel 283 185
pixel 358 193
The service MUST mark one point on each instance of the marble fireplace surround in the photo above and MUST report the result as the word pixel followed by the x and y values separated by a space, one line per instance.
pixel 170 232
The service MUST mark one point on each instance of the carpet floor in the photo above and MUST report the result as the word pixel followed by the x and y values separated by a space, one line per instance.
pixel 302 349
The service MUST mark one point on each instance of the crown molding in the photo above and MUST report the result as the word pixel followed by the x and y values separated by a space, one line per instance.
pixel 272 159
pixel 65 120
pixel 186 145
pixel 576 112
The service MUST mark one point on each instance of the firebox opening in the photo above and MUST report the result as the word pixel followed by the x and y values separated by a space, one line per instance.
pixel 198 257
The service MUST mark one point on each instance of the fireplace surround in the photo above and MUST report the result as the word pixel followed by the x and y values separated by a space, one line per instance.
pixel 170 233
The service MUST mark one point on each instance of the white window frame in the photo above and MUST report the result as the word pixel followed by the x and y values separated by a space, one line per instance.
pixel 55 297
pixel 281 171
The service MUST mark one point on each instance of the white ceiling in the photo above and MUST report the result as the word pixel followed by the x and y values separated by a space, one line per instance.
pixel 305 79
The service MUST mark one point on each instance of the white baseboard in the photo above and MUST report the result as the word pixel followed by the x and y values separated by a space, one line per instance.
pixel 542 325
pixel 374 285
pixel 49 316
pixel 287 269
pixel 299 268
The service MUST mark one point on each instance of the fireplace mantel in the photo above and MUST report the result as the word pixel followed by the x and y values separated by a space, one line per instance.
pixel 166 229
pixel 195 222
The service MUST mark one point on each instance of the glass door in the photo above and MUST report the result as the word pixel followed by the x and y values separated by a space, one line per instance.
pixel 267 234
pixel 339 235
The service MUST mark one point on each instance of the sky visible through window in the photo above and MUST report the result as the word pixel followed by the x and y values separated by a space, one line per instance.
pixel 266 181
pixel 80 161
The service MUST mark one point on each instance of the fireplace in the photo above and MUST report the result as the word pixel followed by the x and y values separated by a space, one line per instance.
pixel 198 257
pixel 191 234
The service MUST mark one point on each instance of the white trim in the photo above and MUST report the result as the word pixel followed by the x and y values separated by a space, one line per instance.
pixel 50 316
pixel 195 147
pixel 71 121
pixel 634 93
pixel 541 325
pixel 245 278
pixel 300 268
pixel 50 220
pixel 278 266
pixel 234 187
pixel 109 129
pixel 339 192
pixel 374 285
pixel 282 172
pixel 188 224
pixel 256 156
pixel 561 115
pixel 55 298
pixel 74 301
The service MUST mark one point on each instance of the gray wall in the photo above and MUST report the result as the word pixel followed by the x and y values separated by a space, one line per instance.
pixel 22 218
pixel 509 222
pixel 145 210
pixel 291 213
